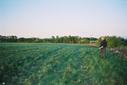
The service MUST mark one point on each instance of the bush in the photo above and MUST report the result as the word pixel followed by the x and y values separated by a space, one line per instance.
pixel 113 41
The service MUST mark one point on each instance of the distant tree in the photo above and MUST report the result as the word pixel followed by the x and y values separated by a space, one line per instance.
pixel 53 39
pixel 13 38
pixel 57 39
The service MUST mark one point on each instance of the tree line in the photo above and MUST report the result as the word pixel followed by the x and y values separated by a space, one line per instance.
pixel 53 39
pixel 113 41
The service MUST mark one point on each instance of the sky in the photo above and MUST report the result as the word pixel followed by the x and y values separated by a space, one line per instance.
pixel 46 18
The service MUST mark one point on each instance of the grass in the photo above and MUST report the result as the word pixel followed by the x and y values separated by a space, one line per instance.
pixel 59 64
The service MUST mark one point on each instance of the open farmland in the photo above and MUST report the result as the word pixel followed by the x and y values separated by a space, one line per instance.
pixel 59 64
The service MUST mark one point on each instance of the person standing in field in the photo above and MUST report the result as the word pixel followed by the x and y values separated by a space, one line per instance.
pixel 103 45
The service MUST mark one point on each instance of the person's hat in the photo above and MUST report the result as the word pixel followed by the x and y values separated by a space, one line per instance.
pixel 102 38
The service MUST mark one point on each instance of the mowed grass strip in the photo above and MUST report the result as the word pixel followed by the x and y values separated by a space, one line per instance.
pixel 59 64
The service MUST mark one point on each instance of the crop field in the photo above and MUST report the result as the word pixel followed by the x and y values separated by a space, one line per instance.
pixel 59 64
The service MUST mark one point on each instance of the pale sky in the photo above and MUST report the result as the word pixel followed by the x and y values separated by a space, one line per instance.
pixel 44 18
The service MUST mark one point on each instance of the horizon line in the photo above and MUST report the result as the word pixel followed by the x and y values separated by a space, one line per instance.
pixel 63 36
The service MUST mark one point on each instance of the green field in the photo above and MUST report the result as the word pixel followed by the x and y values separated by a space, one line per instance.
pixel 59 64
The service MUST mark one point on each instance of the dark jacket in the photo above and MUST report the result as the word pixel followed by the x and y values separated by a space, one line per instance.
pixel 103 43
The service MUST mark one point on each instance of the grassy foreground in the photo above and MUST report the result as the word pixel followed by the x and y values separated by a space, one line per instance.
pixel 59 64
